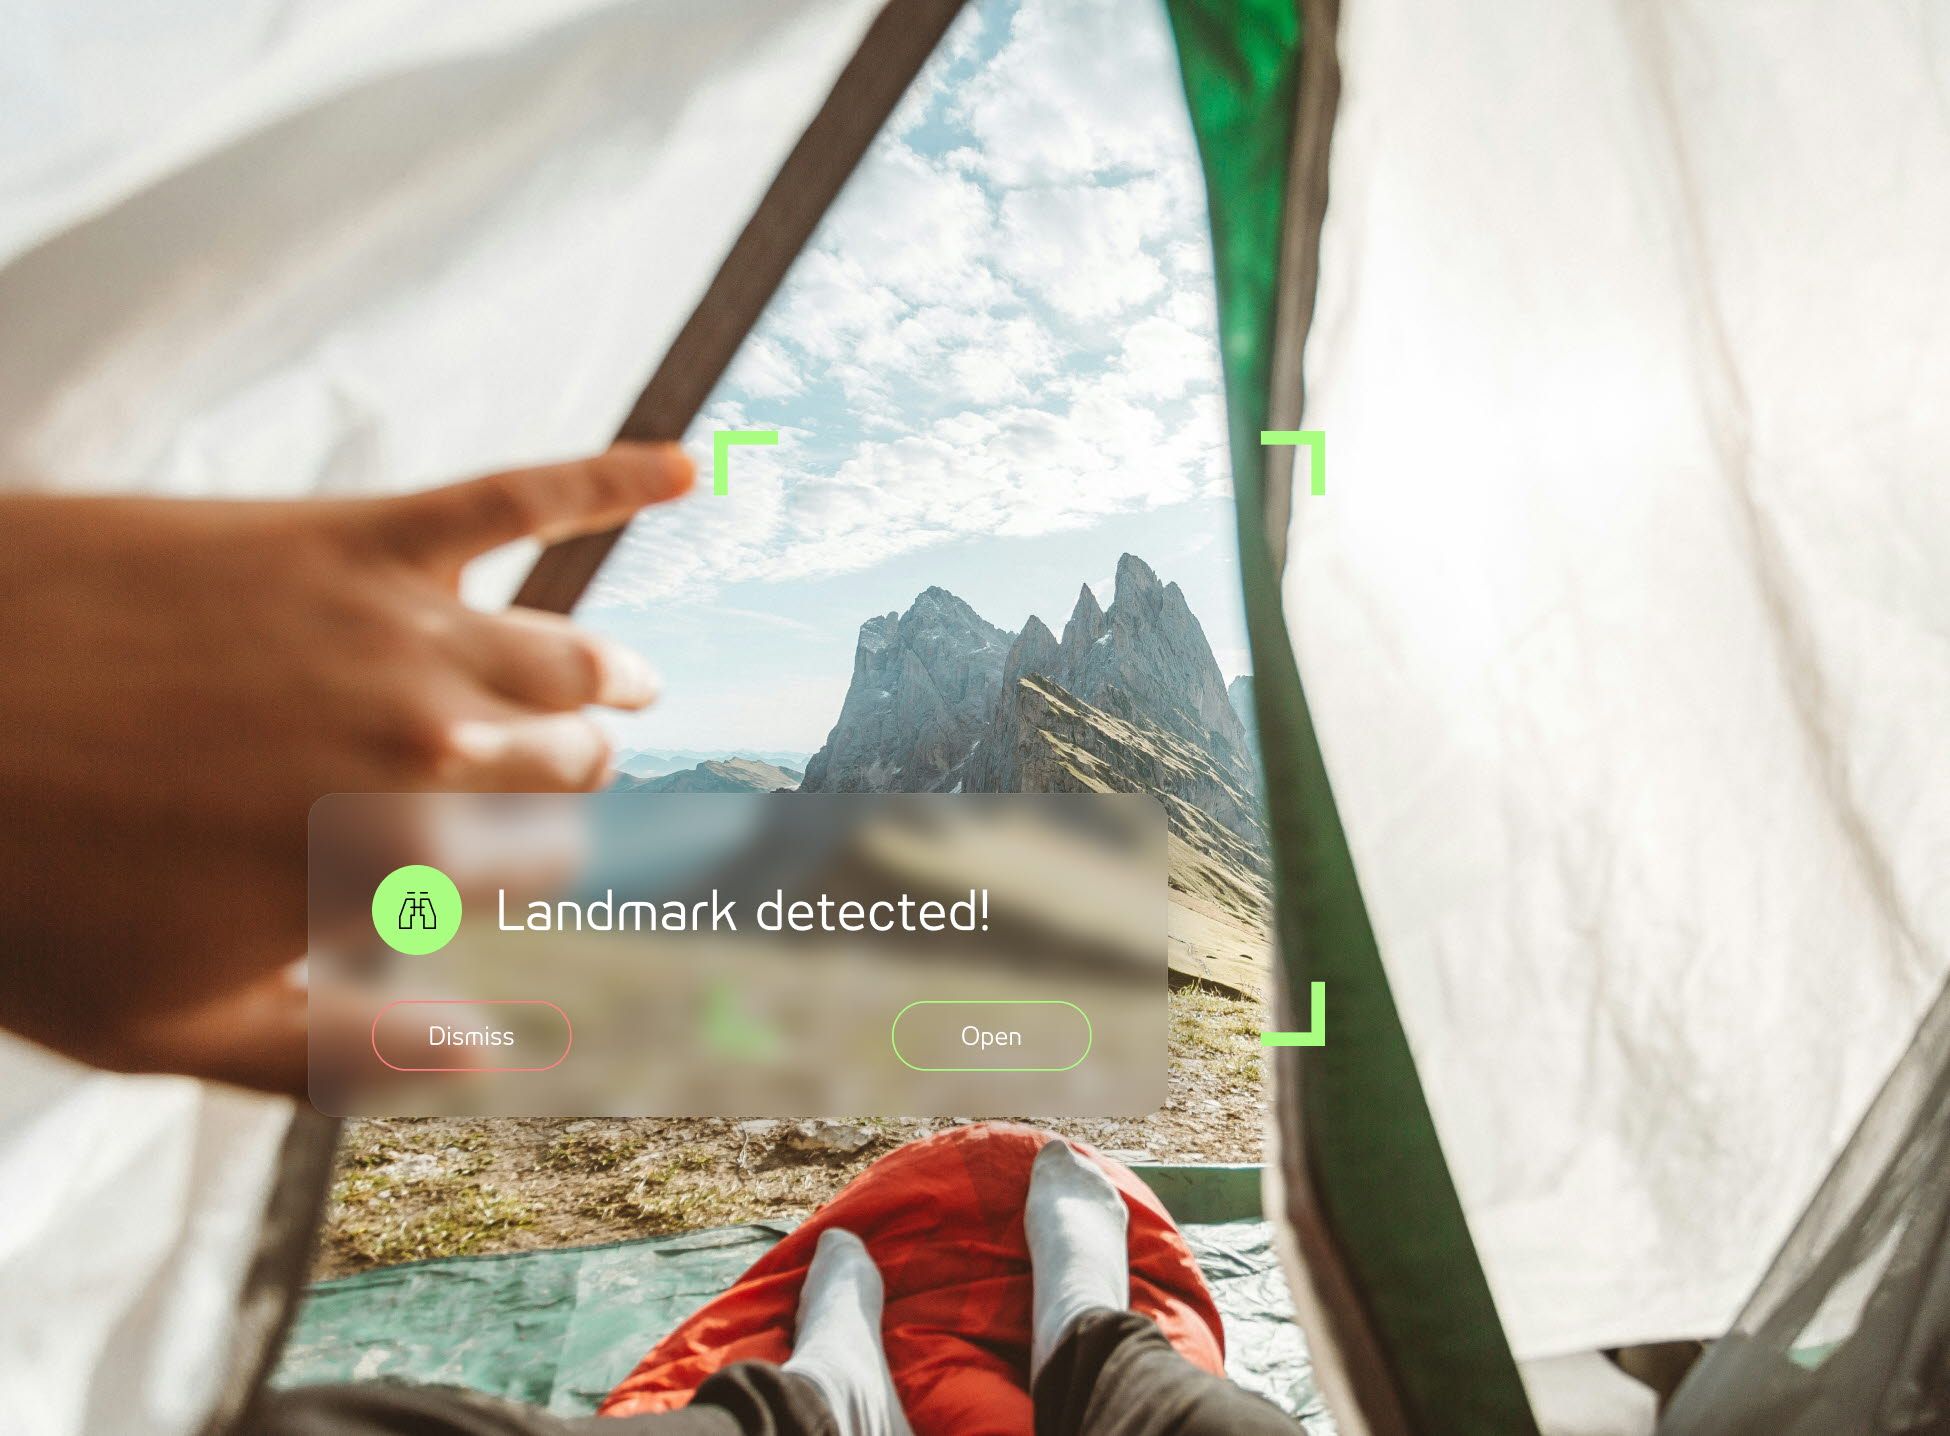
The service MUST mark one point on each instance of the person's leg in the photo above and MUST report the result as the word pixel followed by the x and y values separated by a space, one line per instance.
pixel 1097 1368
pixel 1115 1374
pixel 837 1344
pixel 749 1399
pixel 758 1400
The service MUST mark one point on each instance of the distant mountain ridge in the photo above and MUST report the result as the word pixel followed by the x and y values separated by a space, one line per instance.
pixel 655 762
pixel 715 775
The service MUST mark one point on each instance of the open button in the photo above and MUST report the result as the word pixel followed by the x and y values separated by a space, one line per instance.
pixel 1031 1035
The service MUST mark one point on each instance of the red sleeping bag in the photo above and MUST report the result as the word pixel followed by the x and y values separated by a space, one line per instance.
pixel 943 1220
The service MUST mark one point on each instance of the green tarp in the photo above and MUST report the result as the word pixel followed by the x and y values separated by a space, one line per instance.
pixel 559 1328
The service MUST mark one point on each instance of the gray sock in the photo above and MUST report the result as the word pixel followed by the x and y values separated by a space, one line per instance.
pixel 837 1344
pixel 1076 1224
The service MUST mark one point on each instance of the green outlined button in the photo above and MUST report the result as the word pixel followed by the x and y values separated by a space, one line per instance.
pixel 416 909
pixel 991 1035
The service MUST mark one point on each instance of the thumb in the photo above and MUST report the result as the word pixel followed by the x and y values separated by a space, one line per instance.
pixel 554 501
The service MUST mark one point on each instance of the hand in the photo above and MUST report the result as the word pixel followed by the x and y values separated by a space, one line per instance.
pixel 180 679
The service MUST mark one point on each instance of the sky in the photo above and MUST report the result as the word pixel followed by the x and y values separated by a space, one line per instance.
pixel 994 370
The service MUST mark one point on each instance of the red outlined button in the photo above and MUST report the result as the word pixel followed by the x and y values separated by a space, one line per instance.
pixel 472 1034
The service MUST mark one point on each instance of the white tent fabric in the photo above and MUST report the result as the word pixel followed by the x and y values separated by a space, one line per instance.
pixel 283 249
pixel 1625 619
pixel 132 1205
pixel 339 246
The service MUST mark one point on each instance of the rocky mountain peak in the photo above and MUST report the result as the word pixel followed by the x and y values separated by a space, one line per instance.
pixel 924 682
pixel 1136 580
pixel 1153 663
pixel 1034 653
pixel 934 604
pixel 1085 627
pixel 876 633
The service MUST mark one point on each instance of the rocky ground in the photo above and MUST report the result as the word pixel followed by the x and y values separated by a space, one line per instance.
pixel 407 1190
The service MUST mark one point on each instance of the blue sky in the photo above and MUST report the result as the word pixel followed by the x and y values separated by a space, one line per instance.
pixel 993 370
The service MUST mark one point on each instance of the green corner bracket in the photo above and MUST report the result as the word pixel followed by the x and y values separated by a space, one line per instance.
pixel 721 443
pixel 1316 1033
pixel 1316 442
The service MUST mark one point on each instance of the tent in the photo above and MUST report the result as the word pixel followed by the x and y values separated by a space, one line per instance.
pixel 1599 695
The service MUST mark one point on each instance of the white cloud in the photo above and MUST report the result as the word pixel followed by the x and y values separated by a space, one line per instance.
pixel 984 377
pixel 758 618
pixel 762 370
pixel 1162 359
pixel 1189 259
pixel 829 303
pixel 1193 303
pixel 915 227
pixel 1076 90
pixel 917 106
pixel 1080 248
pixel 1000 359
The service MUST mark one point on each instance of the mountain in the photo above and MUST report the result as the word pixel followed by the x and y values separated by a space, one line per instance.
pixel 655 762
pixel 1146 658
pixel 715 775
pixel 1129 699
pixel 1050 741
pixel 924 685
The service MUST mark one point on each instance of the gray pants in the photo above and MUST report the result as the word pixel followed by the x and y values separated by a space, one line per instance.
pixel 1113 1375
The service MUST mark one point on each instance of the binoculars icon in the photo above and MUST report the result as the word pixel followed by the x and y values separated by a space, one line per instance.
pixel 416 913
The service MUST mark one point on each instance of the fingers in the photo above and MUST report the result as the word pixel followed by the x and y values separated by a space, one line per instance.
pixel 528 753
pixel 524 675
pixel 544 661
pixel 455 523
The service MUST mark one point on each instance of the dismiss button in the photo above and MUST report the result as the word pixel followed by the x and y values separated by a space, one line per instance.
pixel 472 1035
pixel 1038 1035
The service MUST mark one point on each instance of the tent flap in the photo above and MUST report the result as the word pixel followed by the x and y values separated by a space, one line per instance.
pixel 1367 1189
pixel 1623 621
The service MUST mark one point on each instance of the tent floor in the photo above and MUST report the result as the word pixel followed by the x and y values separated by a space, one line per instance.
pixel 559 1328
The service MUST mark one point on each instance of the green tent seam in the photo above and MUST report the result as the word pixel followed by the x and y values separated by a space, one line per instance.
pixel 1416 1327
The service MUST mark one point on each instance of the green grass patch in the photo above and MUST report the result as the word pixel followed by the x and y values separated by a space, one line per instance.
pixel 1218 1029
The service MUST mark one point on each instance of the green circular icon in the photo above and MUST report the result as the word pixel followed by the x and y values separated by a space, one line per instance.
pixel 416 909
